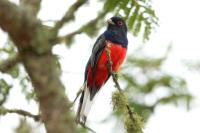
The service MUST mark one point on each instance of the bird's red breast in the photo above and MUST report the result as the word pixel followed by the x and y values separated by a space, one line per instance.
pixel 117 53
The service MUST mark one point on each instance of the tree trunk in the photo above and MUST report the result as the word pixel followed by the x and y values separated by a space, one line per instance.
pixel 33 47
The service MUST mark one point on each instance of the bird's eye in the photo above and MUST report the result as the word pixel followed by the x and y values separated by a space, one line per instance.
pixel 120 23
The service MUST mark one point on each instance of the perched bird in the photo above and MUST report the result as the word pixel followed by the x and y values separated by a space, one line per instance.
pixel 97 72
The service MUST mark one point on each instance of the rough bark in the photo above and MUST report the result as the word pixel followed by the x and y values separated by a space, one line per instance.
pixel 32 42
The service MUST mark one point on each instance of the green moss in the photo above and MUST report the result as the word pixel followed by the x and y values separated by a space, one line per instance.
pixel 135 125
pixel 132 121
pixel 119 101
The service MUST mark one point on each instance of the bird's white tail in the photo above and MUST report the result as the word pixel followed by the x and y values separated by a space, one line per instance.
pixel 84 105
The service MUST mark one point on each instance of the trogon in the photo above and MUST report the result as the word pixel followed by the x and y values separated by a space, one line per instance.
pixel 97 72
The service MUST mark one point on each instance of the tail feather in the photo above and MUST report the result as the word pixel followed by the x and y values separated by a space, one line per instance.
pixel 84 105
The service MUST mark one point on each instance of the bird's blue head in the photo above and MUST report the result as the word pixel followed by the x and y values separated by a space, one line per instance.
pixel 117 23
pixel 117 31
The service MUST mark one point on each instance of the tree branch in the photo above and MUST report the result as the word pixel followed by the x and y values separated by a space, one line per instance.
pixel 68 38
pixel 24 113
pixel 69 15
pixel 109 63
pixel 82 29
pixel 132 115
pixel 77 95
pixel 18 22
pixel 6 65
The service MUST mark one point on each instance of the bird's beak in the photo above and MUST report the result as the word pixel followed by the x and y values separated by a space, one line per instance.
pixel 110 21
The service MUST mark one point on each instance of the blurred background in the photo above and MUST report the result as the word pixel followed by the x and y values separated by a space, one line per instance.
pixel 160 75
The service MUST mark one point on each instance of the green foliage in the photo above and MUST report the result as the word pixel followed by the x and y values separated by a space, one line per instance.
pixel 92 29
pixel 9 51
pixel 140 15
pixel 14 72
pixel 27 89
pixel 23 127
pixel 143 77
pixel 174 98
pixel 82 130
pixel 4 90
pixel 142 109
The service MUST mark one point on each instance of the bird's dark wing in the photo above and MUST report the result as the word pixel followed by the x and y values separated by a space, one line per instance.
pixel 97 49
pixel 96 52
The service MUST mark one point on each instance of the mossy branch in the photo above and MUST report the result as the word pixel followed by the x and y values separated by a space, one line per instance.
pixel 4 111
pixel 132 120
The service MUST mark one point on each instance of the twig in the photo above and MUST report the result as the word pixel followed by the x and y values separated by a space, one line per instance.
pixel 80 30
pixel 86 127
pixel 4 50
pixel 109 63
pixel 68 36
pixel 4 111
pixel 10 63
pixel 77 95
pixel 69 15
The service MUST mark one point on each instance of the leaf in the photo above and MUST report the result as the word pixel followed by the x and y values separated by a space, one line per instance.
pixel 174 97
pixel 23 127
pixel 4 90
pixel 110 5
pixel 147 32
pixel 14 72
pixel 27 89
pixel 132 11
pixel 138 26
pixel 133 18
pixel 142 109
